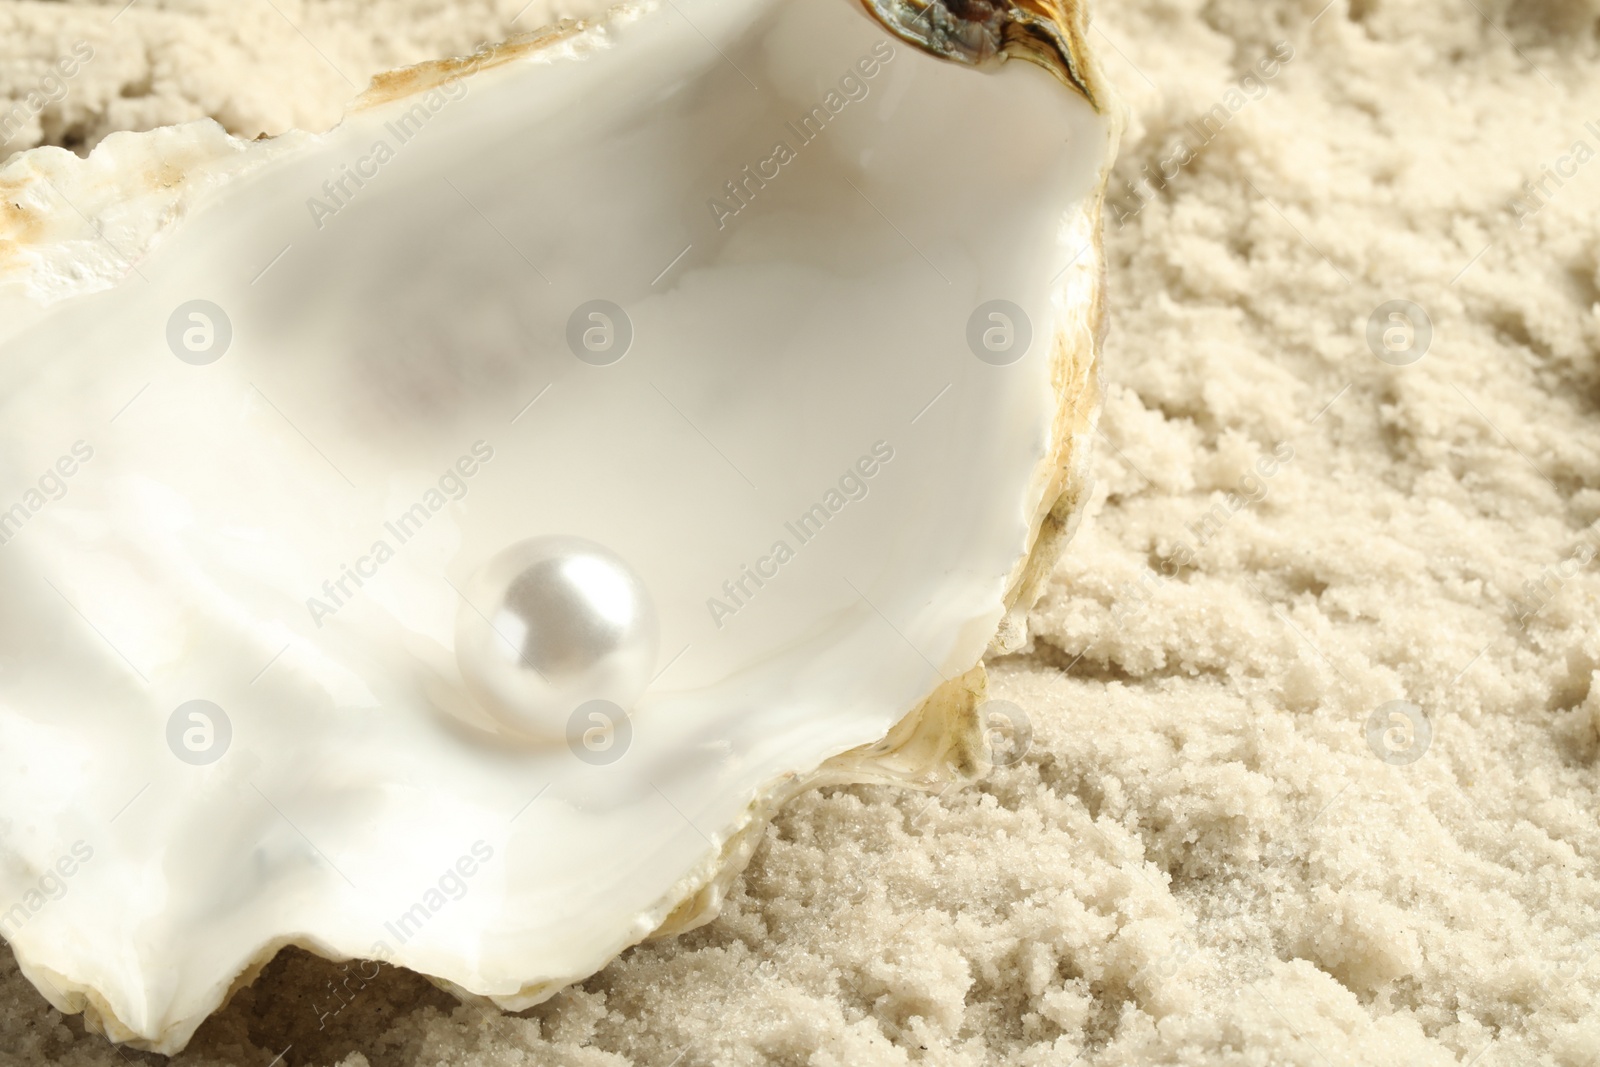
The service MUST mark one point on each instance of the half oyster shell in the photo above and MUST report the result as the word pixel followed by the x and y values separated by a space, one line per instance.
pixel 836 419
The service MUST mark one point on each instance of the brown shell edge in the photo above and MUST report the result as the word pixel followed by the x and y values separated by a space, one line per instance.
pixel 410 81
pixel 1049 33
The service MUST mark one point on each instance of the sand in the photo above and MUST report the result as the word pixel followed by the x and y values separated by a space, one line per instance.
pixel 1226 844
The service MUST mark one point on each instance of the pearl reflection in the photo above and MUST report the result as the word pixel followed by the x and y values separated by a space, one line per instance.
pixel 550 623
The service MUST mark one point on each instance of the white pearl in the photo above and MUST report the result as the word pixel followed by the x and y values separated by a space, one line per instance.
pixel 549 624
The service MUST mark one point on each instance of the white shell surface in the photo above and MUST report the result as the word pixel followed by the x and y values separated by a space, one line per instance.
pixel 409 350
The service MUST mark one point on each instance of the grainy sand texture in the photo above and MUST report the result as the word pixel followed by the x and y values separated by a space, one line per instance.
pixel 1313 695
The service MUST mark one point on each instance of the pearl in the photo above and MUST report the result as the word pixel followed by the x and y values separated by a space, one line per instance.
pixel 552 623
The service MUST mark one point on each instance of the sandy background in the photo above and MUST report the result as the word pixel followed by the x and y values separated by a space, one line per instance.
pixel 1206 857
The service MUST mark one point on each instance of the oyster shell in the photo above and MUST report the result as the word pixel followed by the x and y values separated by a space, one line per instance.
pixel 267 408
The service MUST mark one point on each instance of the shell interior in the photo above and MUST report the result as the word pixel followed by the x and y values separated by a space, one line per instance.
pixel 795 225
